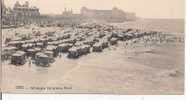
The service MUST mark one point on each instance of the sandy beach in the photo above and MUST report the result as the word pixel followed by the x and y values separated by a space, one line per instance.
pixel 131 67
pixel 108 47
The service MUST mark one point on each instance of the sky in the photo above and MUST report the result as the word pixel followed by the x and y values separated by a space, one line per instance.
pixel 142 8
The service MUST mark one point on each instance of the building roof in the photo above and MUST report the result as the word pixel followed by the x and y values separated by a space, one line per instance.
pixel 24 6
pixel 39 54
pixel 19 53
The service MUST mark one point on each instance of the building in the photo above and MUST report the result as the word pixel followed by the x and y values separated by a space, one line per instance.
pixel 7 15
pixel 67 13
pixel 19 14
pixel 114 15
pixel 68 17
pixel 2 11
pixel 3 7
pixel 25 13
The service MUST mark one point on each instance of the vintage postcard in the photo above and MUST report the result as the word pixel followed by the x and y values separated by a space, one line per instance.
pixel 92 46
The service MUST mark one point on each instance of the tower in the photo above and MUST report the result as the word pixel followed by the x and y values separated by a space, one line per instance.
pixel 17 4
pixel 3 7
pixel 27 4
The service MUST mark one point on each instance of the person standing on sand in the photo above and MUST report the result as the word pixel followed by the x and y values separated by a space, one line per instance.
pixel 29 61
pixel 60 55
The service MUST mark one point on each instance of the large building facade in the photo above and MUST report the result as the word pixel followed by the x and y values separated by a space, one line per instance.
pixel 7 14
pixel 25 13
pixel 20 14
pixel 114 15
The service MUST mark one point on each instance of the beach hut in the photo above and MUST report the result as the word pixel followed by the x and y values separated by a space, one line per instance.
pixel 15 44
pixel 78 44
pixel 42 59
pixel 53 49
pixel 73 52
pixel 4 56
pixel 40 45
pixel 24 47
pixel 120 36
pixel 7 52
pixel 129 35
pixel 66 36
pixel 80 38
pixel 65 47
pixel 105 44
pixel 71 40
pixel 114 34
pixel 9 49
pixel 37 49
pixel 50 55
pixel 85 49
pixel 101 35
pixel 51 38
pixel 97 47
pixel 30 41
pixel 108 37
pixel 113 41
pixel 18 58
pixel 31 52
pixel 89 41
pixel 55 43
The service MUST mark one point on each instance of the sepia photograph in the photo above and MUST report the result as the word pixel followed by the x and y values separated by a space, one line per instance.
pixel 125 47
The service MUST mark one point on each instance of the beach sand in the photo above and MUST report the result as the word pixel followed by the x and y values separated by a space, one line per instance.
pixel 121 69
pixel 136 68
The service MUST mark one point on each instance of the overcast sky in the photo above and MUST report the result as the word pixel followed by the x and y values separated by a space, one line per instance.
pixel 143 8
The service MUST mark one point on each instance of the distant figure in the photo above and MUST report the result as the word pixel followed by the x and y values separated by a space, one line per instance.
pixel 29 61
pixel 60 55
pixel 126 44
